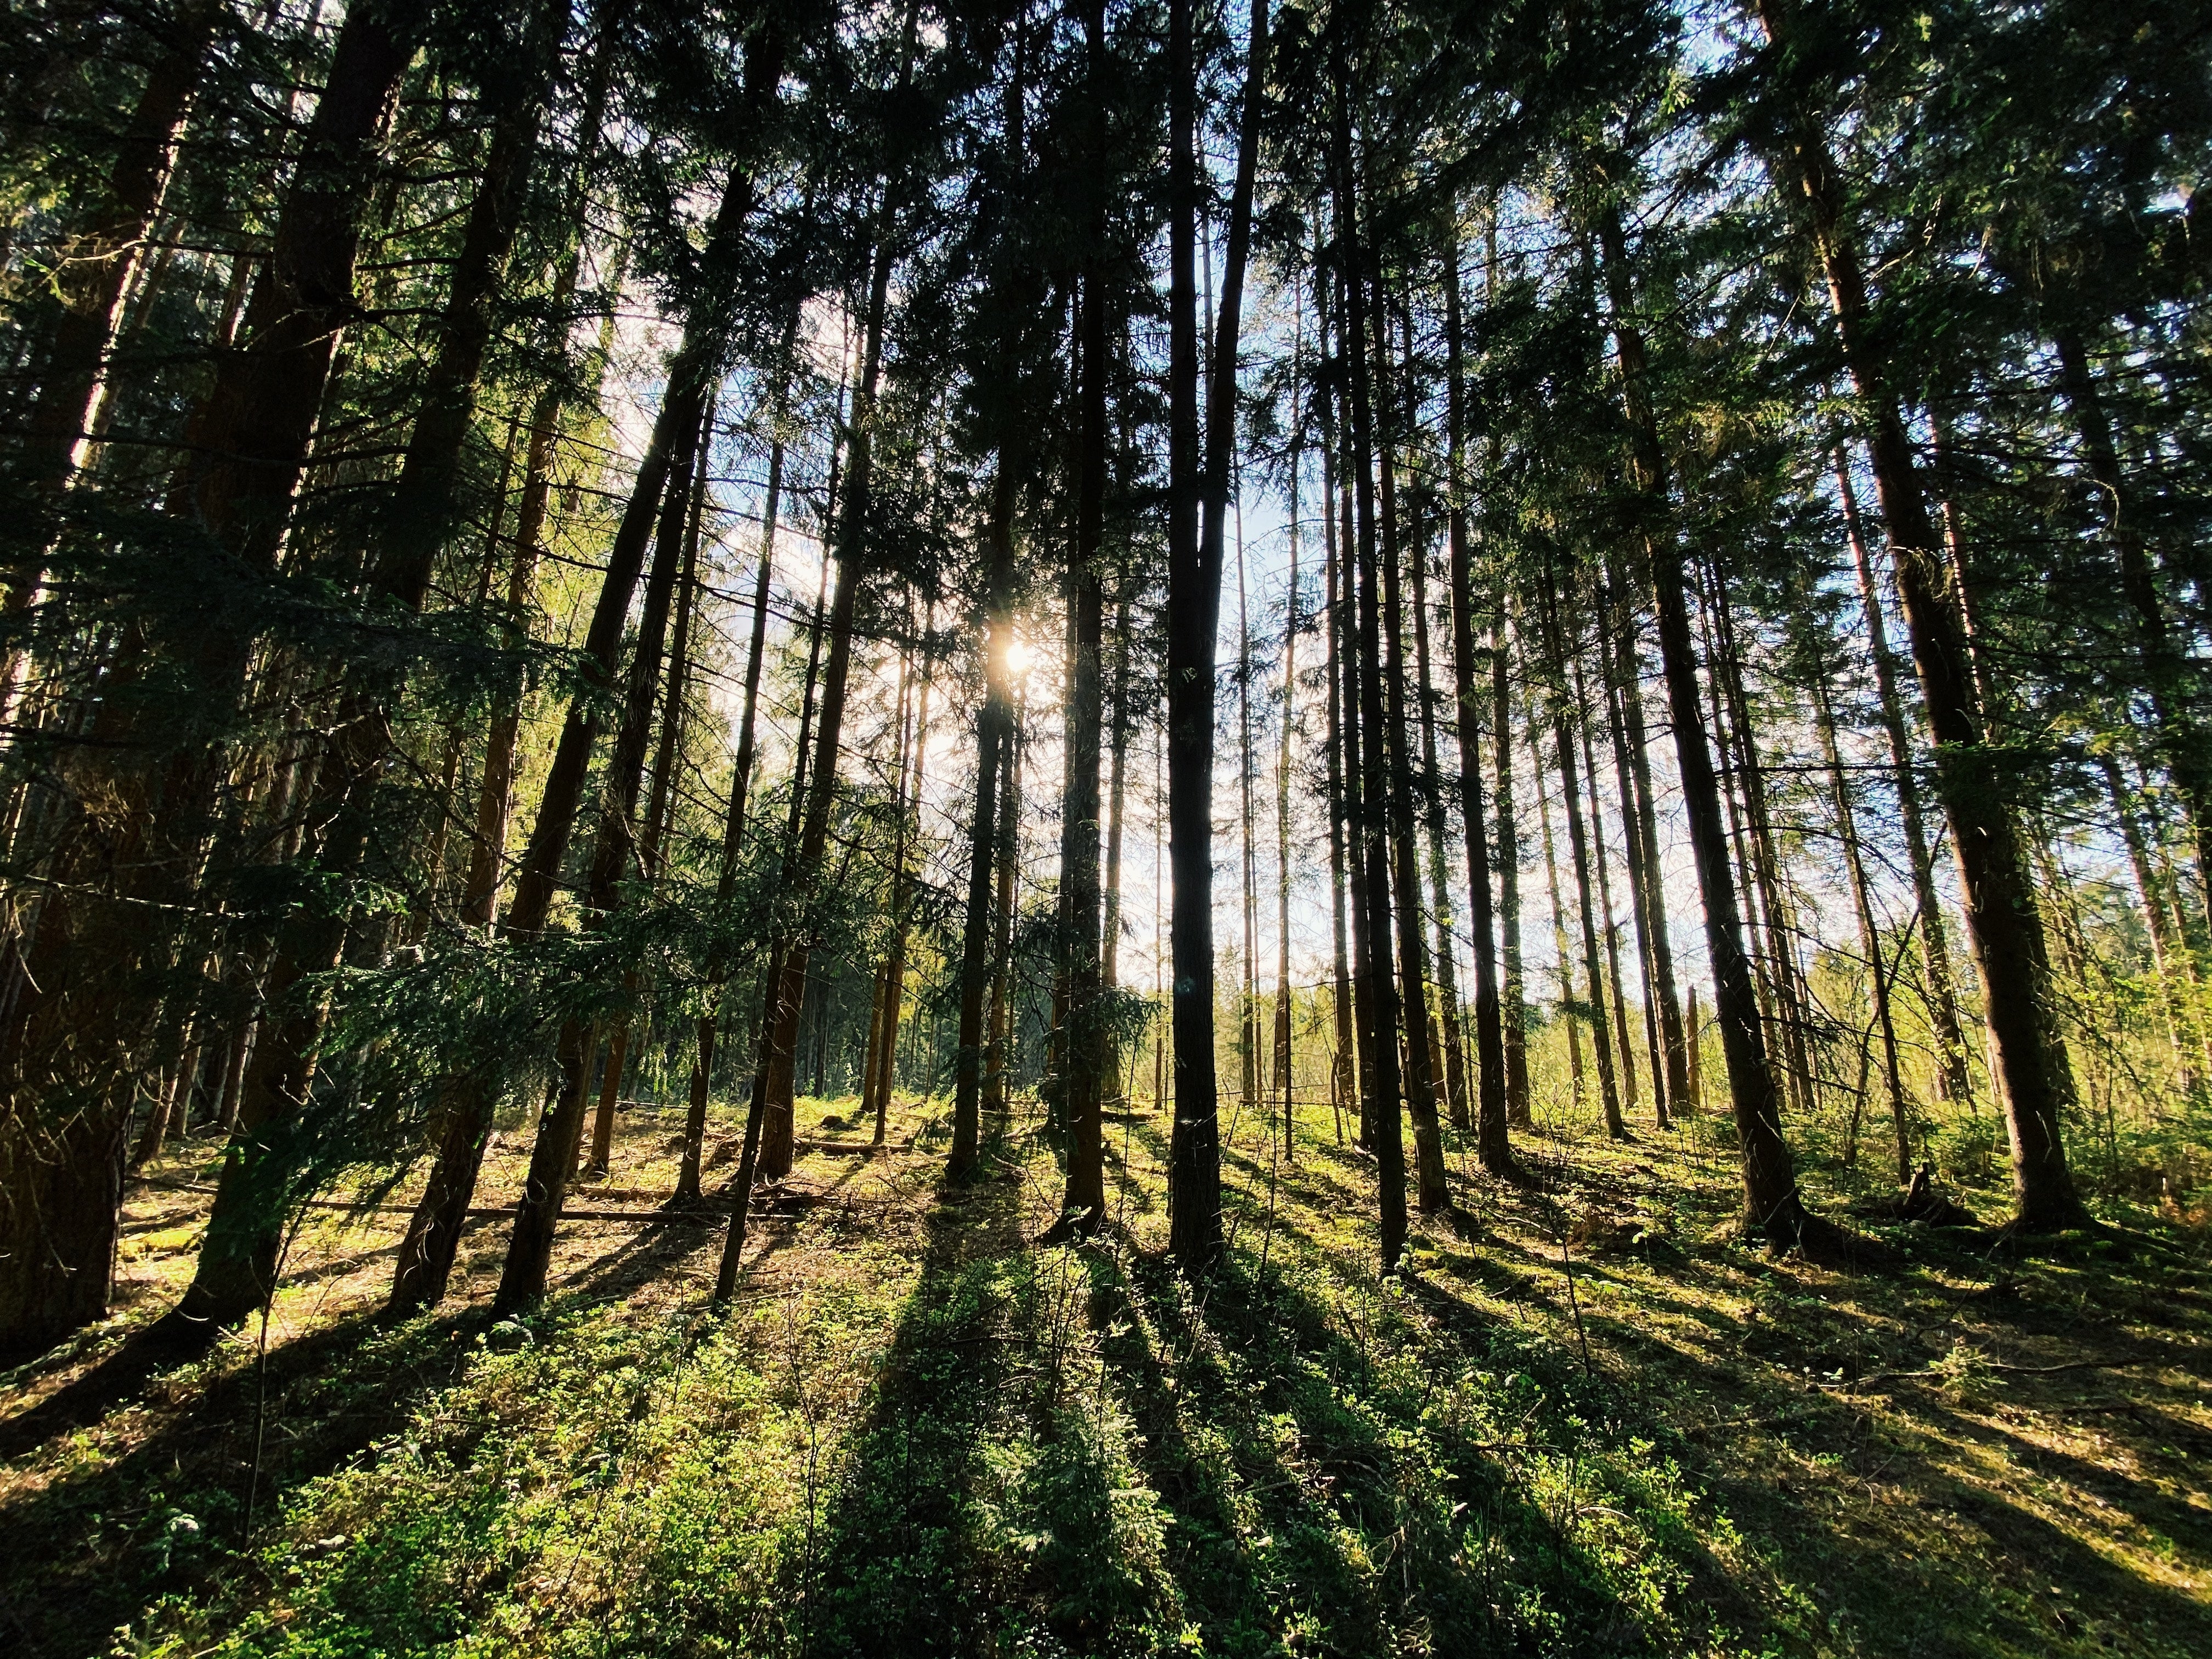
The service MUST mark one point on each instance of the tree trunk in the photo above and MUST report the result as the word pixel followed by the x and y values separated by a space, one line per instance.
pixel 530 1247
pixel 1512 998
pixel 1395 809
pixel 1337 551
pixel 1769 1179
pixel 1869 931
pixel 1494 1100
pixel 92 275
pixel 2035 1077
pixel 1611 931
pixel 734 835
pixel 998 1059
pixel 1282 1022
pixel 2165 951
pixel 1562 954
pixel 1084 1203
pixel 1194 561
pixel 1116 803
pixel 1789 997
pixel 994 728
pixel 1449 1006
pixel 909 826
pixel 658 804
pixel 1371 822
pixel 1562 743
pixel 773 1147
pixel 153 808
pixel 1935 947
pixel 1663 1022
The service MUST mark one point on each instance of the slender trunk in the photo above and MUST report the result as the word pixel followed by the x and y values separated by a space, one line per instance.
pixel 2165 951
pixel 778 1067
pixel 1495 1097
pixel 1396 807
pixel 773 1150
pixel 1085 1051
pixel 92 276
pixel 910 827
pixel 1692 1037
pixel 873 1055
pixel 658 804
pixel 1951 1077
pixel 1247 990
pixel 1770 1181
pixel 1563 954
pixel 1512 1018
pixel 996 715
pixel 1617 987
pixel 1344 1070
pixel 1655 936
pixel 1563 743
pixel 614 859
pixel 1439 881
pixel 1869 931
pixel 94 270
pixel 1370 823
pixel 998 1075
pixel 993 730
pixel 734 835
pixel 1282 1021
pixel 1791 1016
pixel 1116 800
pixel 424 514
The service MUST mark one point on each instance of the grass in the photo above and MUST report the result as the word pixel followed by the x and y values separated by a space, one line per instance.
pixel 1591 1421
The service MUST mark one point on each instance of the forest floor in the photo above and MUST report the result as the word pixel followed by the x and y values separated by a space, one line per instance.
pixel 1590 1421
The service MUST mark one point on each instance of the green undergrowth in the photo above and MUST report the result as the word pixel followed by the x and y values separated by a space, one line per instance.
pixel 1592 1421
pixel 957 1442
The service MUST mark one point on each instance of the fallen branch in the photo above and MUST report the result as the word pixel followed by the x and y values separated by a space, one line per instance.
pixel 1858 1383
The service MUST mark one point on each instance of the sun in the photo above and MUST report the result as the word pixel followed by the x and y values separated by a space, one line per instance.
pixel 1018 658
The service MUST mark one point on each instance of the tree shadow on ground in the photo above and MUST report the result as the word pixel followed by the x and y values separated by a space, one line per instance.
pixel 1315 1499
pixel 903 1562
pixel 90 1547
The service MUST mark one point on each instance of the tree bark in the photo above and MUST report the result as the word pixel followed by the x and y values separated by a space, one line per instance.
pixel 1395 803
pixel 1337 551
pixel 1371 822
pixel 1494 1147
pixel 2167 951
pixel 2034 1077
pixel 1772 1203
pixel 1563 954
pixel 1869 931
pixel 1083 1202
pixel 1611 930
pixel 1562 743
pixel 1662 1021
pixel 734 835
pixel 1291 624
pixel 1194 571
pixel 614 857
pixel 994 728
pixel 1512 1016
pixel 1934 946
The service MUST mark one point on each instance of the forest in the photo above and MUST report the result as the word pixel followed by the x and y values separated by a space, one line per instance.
pixel 1365 827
